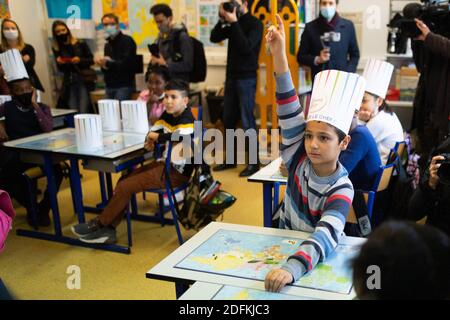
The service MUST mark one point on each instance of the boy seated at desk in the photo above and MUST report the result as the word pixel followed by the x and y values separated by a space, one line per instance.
pixel 24 117
pixel 177 120
pixel 318 193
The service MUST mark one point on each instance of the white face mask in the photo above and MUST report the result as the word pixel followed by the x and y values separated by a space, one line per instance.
pixel 11 34
pixel 328 12
pixel 111 31
pixel 361 122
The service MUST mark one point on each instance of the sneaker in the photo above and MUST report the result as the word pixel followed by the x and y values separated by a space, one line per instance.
pixel 83 229
pixel 104 235
pixel 249 170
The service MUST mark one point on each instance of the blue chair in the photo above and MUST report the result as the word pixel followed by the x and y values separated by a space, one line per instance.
pixel 168 192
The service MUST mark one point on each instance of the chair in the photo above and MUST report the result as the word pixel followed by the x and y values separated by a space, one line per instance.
pixel 398 150
pixel 369 197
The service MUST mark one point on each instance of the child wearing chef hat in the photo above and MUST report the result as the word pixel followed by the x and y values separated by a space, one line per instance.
pixel 24 117
pixel 319 193
pixel 382 123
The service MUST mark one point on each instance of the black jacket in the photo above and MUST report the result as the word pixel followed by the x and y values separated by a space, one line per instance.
pixel 79 49
pixel 121 70
pixel 432 99
pixel 244 42
pixel 344 53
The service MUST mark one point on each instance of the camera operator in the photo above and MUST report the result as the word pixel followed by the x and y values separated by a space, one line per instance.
pixel 432 198
pixel 431 53
pixel 244 34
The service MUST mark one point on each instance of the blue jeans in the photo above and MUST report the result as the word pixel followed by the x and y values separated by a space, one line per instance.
pixel 123 93
pixel 239 102
pixel 79 97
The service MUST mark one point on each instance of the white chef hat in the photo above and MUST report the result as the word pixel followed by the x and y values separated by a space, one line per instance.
pixel 335 97
pixel 378 76
pixel 13 65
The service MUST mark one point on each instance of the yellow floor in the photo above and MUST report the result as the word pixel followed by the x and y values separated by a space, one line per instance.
pixel 36 269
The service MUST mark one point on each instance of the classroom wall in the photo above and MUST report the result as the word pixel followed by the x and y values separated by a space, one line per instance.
pixel 31 17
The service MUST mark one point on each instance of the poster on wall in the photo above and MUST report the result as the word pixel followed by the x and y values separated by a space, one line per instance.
pixel 77 14
pixel 4 9
pixel 119 8
pixel 208 15
pixel 143 28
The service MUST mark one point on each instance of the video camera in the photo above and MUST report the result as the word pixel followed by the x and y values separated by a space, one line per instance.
pixel 434 13
pixel 444 169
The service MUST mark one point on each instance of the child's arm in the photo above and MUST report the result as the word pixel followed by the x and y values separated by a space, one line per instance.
pixel 289 110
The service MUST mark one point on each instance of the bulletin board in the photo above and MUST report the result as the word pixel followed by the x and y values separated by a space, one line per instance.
pixel 4 9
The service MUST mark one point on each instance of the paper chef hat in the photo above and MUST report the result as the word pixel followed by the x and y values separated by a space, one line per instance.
pixel 378 76
pixel 13 66
pixel 335 97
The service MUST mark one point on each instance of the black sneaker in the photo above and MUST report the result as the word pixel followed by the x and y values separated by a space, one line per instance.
pixel 249 170
pixel 83 229
pixel 222 167
pixel 104 235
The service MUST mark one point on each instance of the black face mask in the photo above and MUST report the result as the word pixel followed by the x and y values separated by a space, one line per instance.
pixel 24 99
pixel 61 38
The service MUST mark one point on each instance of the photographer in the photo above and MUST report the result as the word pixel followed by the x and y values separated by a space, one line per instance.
pixel 170 37
pixel 432 198
pixel 244 34
pixel 431 53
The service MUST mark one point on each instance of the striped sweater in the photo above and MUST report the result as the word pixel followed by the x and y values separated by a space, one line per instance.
pixel 167 126
pixel 319 205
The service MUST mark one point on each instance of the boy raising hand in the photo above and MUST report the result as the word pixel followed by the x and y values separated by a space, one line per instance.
pixel 318 193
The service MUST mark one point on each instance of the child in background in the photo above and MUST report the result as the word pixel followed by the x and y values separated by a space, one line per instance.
pixel 318 193
pixel 156 80
pixel 413 261
pixel 24 117
pixel 382 122
pixel 176 120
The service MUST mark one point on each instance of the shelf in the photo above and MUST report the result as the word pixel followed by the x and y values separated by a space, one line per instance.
pixel 399 103
pixel 399 56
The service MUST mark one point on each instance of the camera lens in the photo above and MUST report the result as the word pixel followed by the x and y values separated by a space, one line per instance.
pixel 444 172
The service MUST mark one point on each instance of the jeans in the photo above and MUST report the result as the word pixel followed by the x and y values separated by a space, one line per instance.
pixel 79 97
pixel 123 93
pixel 239 102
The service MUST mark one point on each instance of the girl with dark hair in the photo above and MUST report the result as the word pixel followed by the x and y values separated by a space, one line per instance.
pixel 73 59
pixel 413 262
pixel 156 80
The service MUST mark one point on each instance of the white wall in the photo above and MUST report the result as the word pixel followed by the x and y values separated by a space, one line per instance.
pixel 29 15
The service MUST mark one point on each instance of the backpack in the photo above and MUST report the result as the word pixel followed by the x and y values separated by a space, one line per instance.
pixel 204 201
pixel 198 72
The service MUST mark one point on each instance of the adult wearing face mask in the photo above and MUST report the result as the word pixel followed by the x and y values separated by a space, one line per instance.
pixel 169 32
pixel 24 117
pixel 119 61
pixel 329 42
pixel 12 39
pixel 74 59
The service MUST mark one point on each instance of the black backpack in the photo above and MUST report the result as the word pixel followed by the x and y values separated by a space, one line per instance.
pixel 198 73
pixel 203 201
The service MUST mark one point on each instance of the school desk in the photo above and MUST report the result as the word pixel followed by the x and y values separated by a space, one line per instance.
pixel 271 179
pixel 120 151
pixel 61 118
pixel 239 257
